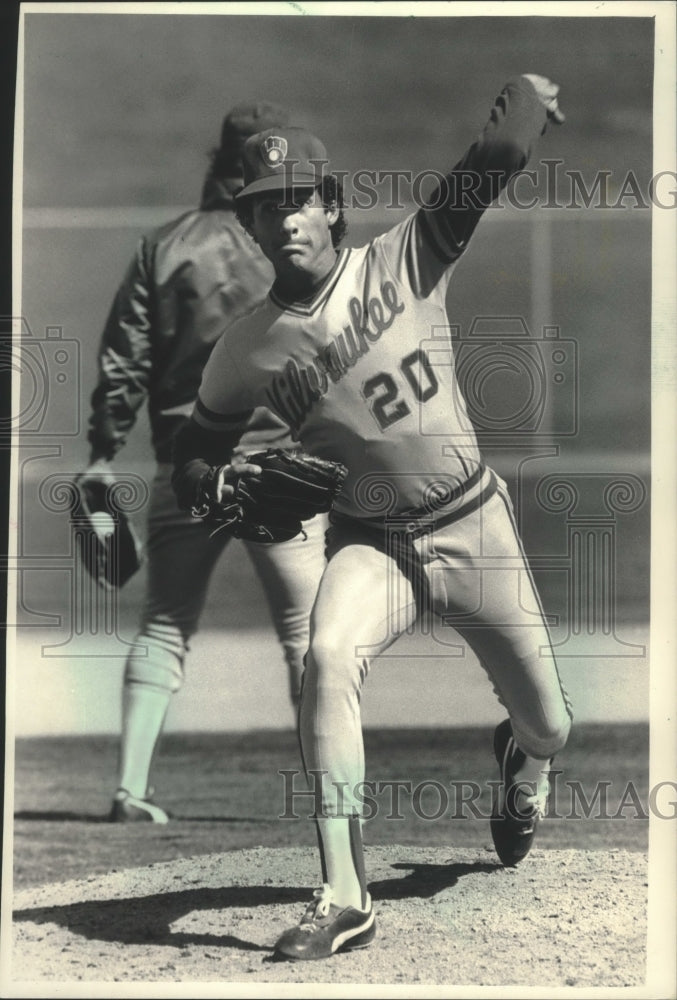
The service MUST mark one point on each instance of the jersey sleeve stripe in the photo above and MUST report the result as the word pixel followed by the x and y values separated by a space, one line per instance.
pixel 219 421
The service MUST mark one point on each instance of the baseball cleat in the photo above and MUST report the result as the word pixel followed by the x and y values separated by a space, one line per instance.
pixel 127 808
pixel 326 928
pixel 520 805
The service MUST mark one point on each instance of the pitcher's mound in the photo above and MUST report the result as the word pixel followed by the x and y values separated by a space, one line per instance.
pixel 446 917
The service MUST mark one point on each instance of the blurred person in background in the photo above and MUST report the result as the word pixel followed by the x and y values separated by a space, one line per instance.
pixel 187 280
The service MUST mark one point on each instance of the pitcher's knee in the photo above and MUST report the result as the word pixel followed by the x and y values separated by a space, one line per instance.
pixel 331 663
pixel 157 659
pixel 546 739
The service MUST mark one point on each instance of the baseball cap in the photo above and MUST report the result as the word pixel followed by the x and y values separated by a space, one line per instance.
pixel 245 120
pixel 280 158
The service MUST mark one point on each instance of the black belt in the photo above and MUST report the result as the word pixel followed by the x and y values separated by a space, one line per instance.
pixel 416 530
pixel 469 507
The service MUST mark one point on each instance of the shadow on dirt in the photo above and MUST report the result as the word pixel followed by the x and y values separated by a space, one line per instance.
pixel 63 816
pixel 149 919
pixel 54 816
pixel 425 881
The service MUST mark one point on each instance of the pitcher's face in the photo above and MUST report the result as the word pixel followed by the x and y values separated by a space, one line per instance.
pixel 293 230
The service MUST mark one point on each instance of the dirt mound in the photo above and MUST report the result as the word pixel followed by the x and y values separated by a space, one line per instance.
pixel 563 918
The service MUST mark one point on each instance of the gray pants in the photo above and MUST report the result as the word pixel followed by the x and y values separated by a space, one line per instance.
pixel 472 576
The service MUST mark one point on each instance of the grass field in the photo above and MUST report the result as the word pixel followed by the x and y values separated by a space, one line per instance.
pixel 225 793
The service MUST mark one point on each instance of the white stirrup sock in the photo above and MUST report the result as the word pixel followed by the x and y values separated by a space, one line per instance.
pixel 143 714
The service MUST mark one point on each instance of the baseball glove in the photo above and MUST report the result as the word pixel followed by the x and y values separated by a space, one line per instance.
pixel 107 543
pixel 271 506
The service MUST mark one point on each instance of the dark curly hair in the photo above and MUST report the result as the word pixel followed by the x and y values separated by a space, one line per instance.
pixel 332 197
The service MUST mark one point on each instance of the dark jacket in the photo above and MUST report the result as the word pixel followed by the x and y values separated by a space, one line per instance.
pixel 188 280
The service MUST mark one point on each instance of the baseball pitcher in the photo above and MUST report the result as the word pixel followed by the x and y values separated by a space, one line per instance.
pixel 421 524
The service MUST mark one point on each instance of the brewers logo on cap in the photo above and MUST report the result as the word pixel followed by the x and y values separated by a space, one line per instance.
pixel 273 150
pixel 268 158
